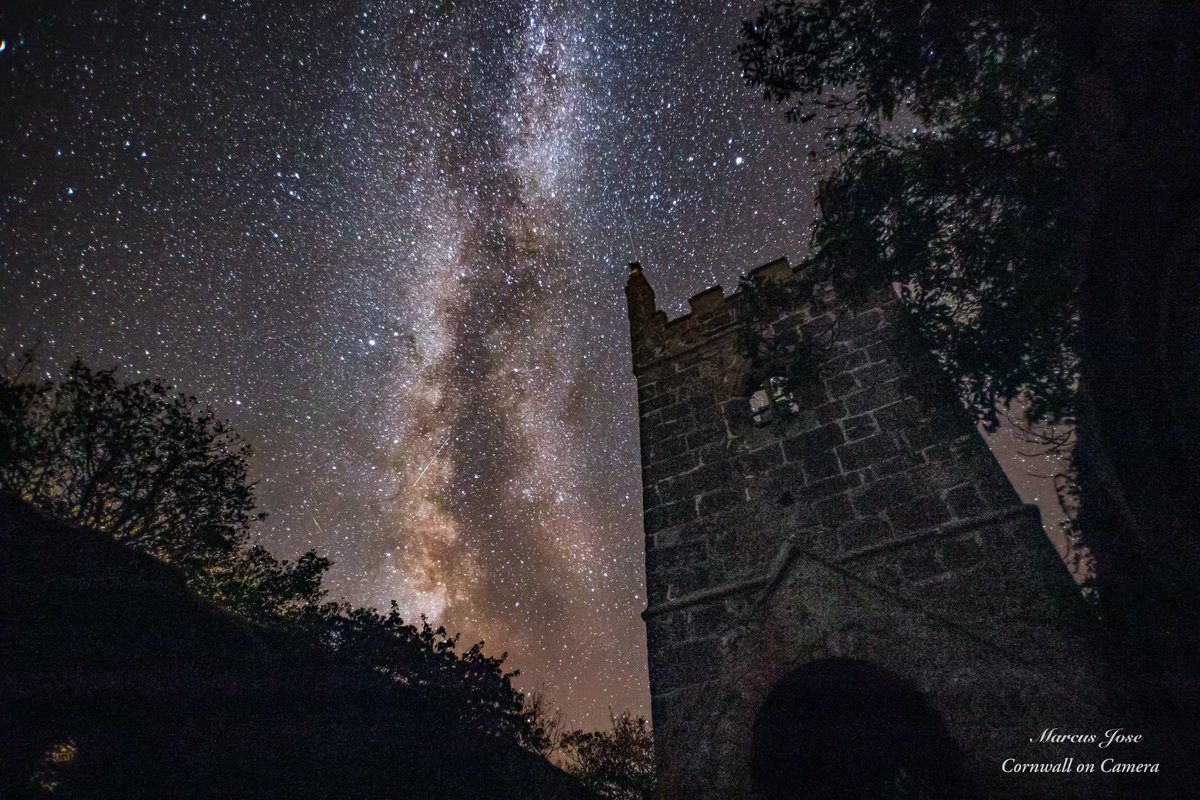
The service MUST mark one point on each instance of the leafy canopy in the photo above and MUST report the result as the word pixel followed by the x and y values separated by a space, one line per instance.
pixel 942 124
pixel 617 763
pixel 153 469
pixel 158 472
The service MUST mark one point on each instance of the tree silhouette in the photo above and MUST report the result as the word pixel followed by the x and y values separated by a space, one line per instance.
pixel 1026 174
pixel 471 687
pixel 942 121
pixel 158 472
pixel 617 763
pixel 153 469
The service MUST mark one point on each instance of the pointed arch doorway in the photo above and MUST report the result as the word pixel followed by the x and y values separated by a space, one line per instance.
pixel 846 729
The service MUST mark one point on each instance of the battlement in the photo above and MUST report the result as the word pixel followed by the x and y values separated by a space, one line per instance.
pixel 712 312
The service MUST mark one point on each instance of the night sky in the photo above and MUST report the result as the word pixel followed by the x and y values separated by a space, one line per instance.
pixel 388 242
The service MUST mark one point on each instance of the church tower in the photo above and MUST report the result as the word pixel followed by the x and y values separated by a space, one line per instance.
pixel 842 584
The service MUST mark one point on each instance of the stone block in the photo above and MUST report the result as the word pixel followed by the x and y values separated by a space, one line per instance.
pixel 926 433
pixel 676 411
pixel 897 463
pixel 865 532
pixel 707 478
pixel 708 415
pixel 839 386
pixel 859 427
pixel 669 468
pixel 862 322
pixel 669 515
pixel 940 453
pixel 877 373
pixel 656 432
pixel 831 412
pixel 964 501
pixel 668 559
pixel 814 442
pixel 655 403
pixel 688 580
pixel 647 389
pixel 835 511
pixel 820 466
pixel 873 397
pixel 865 452
pixel 668 448
pixel 720 500
pixel 846 363
pixel 881 351
pixel 706 434
pixel 829 486
pixel 712 452
pixel 890 492
pixel 761 460
pixel 927 512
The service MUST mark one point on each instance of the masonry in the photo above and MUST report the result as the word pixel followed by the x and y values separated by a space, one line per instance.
pixel 869 536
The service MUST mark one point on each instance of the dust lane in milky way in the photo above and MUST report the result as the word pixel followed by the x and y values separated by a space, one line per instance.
pixel 489 483
pixel 388 241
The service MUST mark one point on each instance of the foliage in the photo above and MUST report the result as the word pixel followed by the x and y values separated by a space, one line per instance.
pixel 617 763
pixel 468 684
pixel 1020 171
pixel 943 125
pixel 159 472
pixel 783 358
pixel 153 469
pixel 547 726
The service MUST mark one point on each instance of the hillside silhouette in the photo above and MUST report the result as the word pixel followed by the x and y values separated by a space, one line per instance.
pixel 120 682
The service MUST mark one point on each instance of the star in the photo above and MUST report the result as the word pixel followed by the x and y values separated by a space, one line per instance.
pixel 476 177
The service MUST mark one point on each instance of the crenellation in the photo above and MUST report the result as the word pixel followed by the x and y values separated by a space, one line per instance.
pixel 709 301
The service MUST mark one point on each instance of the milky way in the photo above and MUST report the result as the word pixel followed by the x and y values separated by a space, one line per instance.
pixel 388 242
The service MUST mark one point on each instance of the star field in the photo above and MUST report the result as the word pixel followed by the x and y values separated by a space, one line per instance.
pixel 388 241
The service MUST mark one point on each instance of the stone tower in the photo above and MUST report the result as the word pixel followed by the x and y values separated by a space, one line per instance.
pixel 855 587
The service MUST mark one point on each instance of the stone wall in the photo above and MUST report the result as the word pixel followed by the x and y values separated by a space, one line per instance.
pixel 919 555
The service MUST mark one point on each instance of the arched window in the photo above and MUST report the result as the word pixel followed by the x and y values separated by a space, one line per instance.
pixel 843 729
